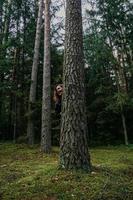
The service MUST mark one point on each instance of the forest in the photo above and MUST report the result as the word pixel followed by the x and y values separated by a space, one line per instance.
pixel 66 99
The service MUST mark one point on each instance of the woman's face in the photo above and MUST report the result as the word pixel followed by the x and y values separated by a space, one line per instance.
pixel 59 90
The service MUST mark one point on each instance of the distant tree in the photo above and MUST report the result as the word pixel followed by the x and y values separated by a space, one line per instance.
pixel 46 99
pixel 115 15
pixel 5 14
pixel 32 96
pixel 73 141
pixel 109 56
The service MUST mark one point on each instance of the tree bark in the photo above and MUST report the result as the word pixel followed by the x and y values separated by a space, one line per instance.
pixel 32 96
pixel 73 147
pixel 46 100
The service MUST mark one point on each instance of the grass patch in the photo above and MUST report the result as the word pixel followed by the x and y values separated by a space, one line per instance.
pixel 27 174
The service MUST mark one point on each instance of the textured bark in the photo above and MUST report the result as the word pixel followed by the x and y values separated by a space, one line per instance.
pixel 73 147
pixel 32 97
pixel 46 100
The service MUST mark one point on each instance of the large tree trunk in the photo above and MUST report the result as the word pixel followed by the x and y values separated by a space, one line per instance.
pixel 46 100
pixel 32 97
pixel 73 147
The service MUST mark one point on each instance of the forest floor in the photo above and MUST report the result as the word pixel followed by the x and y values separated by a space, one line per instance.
pixel 27 174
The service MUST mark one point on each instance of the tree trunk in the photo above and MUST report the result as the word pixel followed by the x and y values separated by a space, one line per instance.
pixel 46 100
pixel 73 147
pixel 4 38
pixel 15 120
pixel 7 22
pixel 1 19
pixel 121 85
pixel 124 128
pixel 13 108
pixel 32 97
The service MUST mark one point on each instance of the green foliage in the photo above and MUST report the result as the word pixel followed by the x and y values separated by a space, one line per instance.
pixel 107 45
pixel 117 102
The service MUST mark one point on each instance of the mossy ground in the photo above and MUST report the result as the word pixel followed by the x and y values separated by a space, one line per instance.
pixel 27 174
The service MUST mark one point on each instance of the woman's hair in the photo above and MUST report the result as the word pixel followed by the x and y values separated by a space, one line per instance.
pixel 56 96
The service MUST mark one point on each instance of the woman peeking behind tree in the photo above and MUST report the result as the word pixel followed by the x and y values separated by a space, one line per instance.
pixel 57 97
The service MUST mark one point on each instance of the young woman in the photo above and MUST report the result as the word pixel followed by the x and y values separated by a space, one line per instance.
pixel 57 97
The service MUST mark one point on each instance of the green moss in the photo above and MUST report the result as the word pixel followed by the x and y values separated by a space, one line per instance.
pixel 26 173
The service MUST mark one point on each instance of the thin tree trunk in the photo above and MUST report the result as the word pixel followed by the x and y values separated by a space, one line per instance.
pixel 46 100
pixel 124 128
pixel 21 100
pixel 32 96
pixel 1 17
pixel 4 39
pixel 1 95
pixel 73 147
pixel 121 86
pixel 7 22
pixel 5 31
pixel 14 98
pixel 15 120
